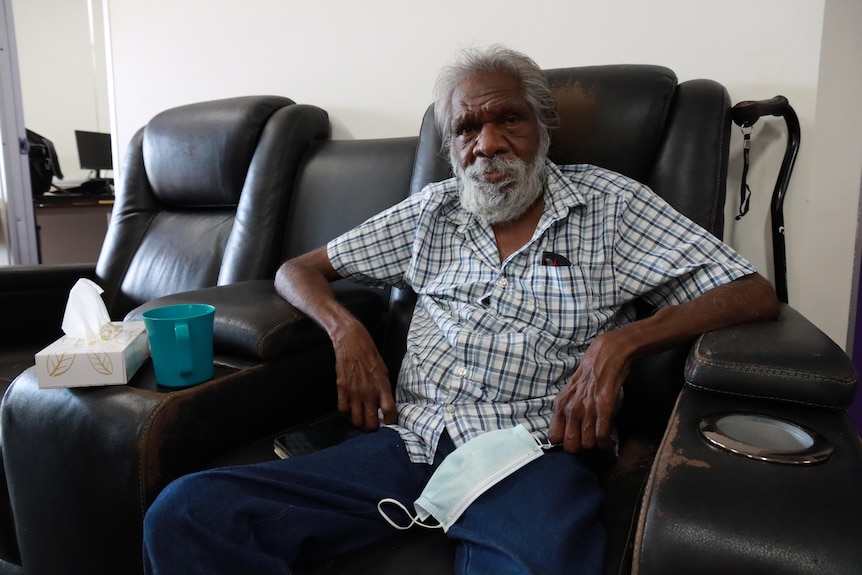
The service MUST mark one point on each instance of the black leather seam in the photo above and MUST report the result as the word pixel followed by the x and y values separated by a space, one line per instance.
pixel 668 98
pixel 118 285
pixel 721 169
pixel 142 441
pixel 285 166
pixel 755 396
pixel 750 369
pixel 264 339
pixel 651 487
pixel 293 153
pixel 634 525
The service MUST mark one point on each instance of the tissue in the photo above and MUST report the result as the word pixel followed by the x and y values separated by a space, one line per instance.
pixel 95 350
pixel 86 317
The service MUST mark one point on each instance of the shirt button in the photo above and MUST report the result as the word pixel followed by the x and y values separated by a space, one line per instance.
pixel 502 282
pixel 450 408
pixel 461 371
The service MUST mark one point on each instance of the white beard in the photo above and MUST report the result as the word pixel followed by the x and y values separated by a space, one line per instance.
pixel 504 201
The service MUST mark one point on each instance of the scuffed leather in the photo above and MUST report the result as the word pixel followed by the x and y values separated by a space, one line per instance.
pixel 711 512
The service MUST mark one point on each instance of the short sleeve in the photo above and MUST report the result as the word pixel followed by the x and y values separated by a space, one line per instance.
pixel 378 251
pixel 666 258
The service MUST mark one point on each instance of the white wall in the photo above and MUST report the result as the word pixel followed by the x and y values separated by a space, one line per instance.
pixel 371 65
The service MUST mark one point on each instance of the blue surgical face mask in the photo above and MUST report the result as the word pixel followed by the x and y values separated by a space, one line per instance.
pixel 467 473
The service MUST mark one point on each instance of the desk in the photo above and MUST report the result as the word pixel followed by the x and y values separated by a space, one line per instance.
pixel 71 229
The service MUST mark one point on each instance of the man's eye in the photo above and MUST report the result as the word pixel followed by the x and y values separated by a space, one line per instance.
pixel 465 129
pixel 512 119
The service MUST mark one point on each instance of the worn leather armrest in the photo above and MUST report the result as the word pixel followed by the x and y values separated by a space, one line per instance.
pixel 711 512
pixel 252 320
pixel 788 359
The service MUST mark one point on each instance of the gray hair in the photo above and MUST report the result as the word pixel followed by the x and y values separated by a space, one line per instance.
pixel 494 58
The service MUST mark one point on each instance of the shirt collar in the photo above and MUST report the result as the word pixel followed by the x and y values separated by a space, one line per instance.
pixel 561 195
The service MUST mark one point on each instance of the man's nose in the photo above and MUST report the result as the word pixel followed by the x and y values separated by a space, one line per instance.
pixel 490 142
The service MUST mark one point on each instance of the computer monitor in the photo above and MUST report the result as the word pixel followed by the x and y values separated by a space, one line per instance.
pixel 94 151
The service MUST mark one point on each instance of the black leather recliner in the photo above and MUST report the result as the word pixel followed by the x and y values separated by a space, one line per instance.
pixel 202 200
pixel 275 369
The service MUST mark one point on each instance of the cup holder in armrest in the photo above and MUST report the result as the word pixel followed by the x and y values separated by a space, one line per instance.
pixel 765 438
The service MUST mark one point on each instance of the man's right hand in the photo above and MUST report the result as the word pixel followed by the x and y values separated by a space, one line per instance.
pixel 361 375
pixel 362 378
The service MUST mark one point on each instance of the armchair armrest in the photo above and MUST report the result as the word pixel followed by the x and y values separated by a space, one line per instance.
pixel 708 510
pixel 104 453
pixel 788 360
pixel 254 322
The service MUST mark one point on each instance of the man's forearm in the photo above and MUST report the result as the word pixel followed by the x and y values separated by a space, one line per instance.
pixel 304 282
pixel 362 381
pixel 745 300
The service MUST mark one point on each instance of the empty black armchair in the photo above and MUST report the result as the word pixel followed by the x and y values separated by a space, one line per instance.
pixel 204 197
pixel 202 200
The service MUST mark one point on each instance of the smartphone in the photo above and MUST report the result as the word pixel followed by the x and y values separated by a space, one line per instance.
pixel 326 431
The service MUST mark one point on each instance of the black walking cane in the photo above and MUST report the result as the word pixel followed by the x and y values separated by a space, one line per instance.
pixel 745 115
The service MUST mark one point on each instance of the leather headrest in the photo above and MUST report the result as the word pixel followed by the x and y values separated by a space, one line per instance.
pixel 198 154
pixel 611 116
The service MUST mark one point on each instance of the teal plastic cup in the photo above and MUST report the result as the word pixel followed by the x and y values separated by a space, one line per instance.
pixel 181 343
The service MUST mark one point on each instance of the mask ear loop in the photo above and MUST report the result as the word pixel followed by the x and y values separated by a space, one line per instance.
pixel 546 445
pixel 413 520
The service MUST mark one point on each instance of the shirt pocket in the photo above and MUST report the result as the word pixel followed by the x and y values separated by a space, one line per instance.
pixel 576 302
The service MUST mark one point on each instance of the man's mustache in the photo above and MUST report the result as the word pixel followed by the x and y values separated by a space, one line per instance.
pixel 511 168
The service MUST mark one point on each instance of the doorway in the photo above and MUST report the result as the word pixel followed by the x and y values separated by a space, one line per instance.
pixel 54 83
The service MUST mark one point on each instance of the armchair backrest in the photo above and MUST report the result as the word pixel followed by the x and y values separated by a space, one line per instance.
pixel 342 183
pixel 203 197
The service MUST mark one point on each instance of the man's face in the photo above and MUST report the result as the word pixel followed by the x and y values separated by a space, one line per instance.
pixel 491 118
pixel 496 147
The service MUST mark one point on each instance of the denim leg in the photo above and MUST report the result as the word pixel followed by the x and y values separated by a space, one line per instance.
pixel 541 520
pixel 263 518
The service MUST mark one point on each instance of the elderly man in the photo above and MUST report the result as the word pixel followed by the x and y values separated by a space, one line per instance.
pixel 524 330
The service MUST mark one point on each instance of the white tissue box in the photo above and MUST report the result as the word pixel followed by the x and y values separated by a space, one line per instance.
pixel 71 362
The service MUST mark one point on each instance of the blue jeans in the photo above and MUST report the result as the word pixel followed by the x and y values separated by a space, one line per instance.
pixel 265 518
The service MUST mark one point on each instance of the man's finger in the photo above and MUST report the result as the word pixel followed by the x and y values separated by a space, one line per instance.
pixel 572 441
pixel 588 433
pixel 556 429
pixel 343 403
pixel 357 413
pixel 372 420
pixel 603 431
pixel 389 409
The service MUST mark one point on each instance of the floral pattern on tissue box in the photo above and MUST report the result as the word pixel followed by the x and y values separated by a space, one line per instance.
pixel 113 360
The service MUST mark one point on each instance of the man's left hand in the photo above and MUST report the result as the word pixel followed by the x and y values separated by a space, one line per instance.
pixel 584 410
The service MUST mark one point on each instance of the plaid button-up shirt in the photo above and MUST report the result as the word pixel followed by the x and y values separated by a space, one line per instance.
pixel 491 343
